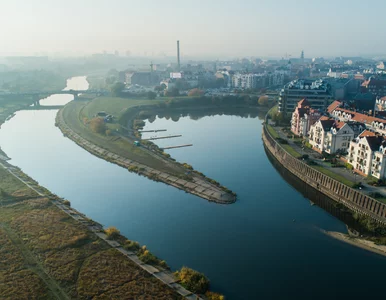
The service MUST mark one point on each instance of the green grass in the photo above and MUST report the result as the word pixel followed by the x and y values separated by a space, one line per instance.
pixel 335 176
pixel 273 111
pixel 272 132
pixel 114 105
pixel 291 150
pixel 72 113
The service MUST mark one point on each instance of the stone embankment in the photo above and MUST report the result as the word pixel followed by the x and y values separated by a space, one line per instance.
pixel 349 197
pixel 163 275
pixel 197 186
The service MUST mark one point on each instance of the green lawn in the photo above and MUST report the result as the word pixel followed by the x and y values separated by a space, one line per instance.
pixel 272 132
pixel 291 150
pixel 335 176
pixel 72 114
pixel 114 105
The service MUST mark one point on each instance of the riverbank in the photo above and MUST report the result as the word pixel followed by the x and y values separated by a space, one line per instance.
pixel 336 190
pixel 121 150
pixel 59 253
pixel 357 242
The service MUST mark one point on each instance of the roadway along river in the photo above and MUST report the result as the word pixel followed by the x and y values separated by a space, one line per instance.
pixel 250 250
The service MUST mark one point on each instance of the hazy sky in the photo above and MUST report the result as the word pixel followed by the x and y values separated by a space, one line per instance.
pixel 216 28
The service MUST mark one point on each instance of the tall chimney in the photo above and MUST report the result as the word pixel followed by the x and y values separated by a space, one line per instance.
pixel 178 56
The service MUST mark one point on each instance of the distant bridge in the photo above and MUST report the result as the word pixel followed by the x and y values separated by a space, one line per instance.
pixel 43 107
pixel 43 93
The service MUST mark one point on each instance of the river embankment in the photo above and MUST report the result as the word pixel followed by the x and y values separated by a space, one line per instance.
pixel 179 176
pixel 357 242
pixel 341 193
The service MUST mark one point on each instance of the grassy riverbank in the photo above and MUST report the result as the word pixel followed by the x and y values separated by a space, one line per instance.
pixel 47 254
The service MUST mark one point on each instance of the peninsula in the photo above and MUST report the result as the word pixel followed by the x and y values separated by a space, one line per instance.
pixel 116 142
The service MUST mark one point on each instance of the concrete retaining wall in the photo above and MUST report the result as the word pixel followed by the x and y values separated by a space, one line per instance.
pixel 349 197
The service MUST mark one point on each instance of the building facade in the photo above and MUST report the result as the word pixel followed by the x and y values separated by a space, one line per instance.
pixel 303 117
pixel 330 136
pixel 317 92
pixel 367 155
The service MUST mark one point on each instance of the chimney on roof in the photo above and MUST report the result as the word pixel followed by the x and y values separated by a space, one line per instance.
pixel 178 56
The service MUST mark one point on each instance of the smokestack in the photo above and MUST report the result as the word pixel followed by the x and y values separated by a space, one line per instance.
pixel 178 56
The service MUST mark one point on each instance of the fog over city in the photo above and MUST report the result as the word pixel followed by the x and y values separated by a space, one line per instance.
pixel 210 29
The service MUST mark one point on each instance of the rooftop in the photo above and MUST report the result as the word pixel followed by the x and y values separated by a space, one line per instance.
pixel 308 84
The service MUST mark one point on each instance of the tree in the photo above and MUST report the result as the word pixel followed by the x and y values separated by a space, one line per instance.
pixel 151 95
pixel 160 88
pixel 117 88
pixel 98 125
pixel 173 92
pixel 195 93
pixel 263 100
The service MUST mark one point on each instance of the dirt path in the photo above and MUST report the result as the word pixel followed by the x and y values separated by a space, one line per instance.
pixel 33 264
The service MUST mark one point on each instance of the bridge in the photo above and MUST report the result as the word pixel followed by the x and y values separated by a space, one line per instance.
pixel 38 95
pixel 47 93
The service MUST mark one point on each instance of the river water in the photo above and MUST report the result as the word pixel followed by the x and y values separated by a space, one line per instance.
pixel 265 246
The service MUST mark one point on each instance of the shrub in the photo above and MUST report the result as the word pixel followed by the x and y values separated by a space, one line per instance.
pixel 214 296
pixel 348 166
pixel 67 202
pixel 112 233
pixel 131 245
pixel 187 166
pixel 196 93
pixel 97 125
pixel 193 280
pixel 263 100
pixel 133 169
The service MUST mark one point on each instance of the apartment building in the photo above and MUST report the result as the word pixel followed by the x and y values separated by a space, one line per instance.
pixel 372 123
pixel 303 117
pixel 317 92
pixel 367 155
pixel 330 136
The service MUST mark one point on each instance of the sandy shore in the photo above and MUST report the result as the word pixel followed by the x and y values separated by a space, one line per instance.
pixel 358 242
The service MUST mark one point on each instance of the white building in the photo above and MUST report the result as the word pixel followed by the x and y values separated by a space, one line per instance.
pixel 330 136
pixel 367 155
pixel 246 81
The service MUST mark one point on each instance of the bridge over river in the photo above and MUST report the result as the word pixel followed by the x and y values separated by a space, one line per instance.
pixel 39 95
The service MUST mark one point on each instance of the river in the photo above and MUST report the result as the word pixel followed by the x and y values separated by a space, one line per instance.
pixel 265 246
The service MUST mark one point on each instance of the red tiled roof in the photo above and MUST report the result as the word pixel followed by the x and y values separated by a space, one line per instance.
pixel 361 117
pixel 333 106
pixel 339 125
pixel 367 133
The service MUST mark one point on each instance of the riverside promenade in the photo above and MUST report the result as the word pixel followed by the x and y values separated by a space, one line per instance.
pixel 349 197
pixel 197 186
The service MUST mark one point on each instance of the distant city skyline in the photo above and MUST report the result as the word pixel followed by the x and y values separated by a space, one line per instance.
pixel 215 29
